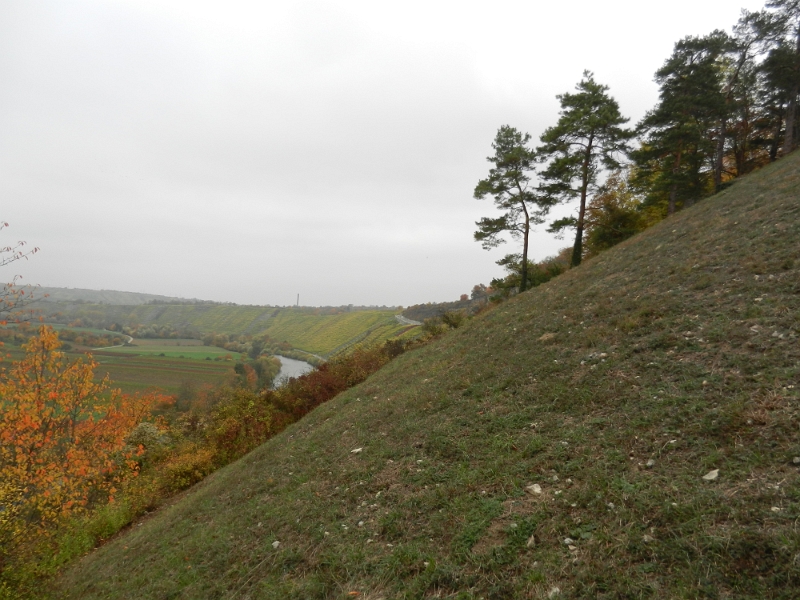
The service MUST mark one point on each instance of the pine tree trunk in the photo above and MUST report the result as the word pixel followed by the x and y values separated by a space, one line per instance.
pixel 577 249
pixel 791 109
pixel 773 148
pixel 673 197
pixel 673 192
pixel 718 161
pixel 523 285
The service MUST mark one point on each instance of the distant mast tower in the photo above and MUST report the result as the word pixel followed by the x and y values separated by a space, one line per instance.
pixel 298 301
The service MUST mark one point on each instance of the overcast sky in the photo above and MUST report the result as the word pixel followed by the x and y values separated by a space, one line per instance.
pixel 251 151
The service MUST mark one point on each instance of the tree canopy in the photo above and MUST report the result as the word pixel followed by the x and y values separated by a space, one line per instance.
pixel 509 184
pixel 588 137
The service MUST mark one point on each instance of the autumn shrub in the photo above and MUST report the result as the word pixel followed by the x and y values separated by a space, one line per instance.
pixel 454 318
pixel 118 455
pixel 239 421
pixel 242 419
pixel 433 327
pixel 183 470
pixel 62 444
pixel 303 394
pixel 146 443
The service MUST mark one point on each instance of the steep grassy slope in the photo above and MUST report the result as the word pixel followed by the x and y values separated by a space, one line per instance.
pixel 614 388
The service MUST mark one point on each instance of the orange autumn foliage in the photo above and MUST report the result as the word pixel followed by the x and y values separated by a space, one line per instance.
pixel 62 438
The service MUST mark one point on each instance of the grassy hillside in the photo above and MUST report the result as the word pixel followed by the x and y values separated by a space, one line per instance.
pixel 555 446
pixel 322 334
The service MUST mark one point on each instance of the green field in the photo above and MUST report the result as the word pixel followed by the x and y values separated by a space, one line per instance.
pixel 186 348
pixel 133 373
pixel 163 364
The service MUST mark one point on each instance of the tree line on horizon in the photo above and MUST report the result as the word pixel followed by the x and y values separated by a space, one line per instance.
pixel 727 106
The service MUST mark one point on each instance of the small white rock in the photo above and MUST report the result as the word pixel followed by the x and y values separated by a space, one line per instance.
pixel 356 451
pixel 611 505
pixel 569 541
pixel 648 538
pixel 711 475
pixel 534 489
pixel 650 464
pixel 531 542
pixel 796 460
pixel 275 544
pixel 776 509
pixel 554 592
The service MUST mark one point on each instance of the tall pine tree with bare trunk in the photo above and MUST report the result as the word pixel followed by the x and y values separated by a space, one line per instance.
pixel 509 184
pixel 588 137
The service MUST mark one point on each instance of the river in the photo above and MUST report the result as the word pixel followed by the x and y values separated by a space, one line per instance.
pixel 291 367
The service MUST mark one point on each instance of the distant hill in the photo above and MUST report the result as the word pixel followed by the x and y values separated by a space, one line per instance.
pixel 113 297
pixel 626 430
pixel 319 331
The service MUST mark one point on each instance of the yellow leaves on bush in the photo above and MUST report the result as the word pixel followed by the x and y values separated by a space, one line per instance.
pixel 185 469
pixel 61 437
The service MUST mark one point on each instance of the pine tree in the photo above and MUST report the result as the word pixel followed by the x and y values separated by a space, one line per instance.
pixel 587 138
pixel 680 134
pixel 509 183
pixel 779 28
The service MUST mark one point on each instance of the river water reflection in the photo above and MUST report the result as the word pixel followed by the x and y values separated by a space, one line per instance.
pixel 291 368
